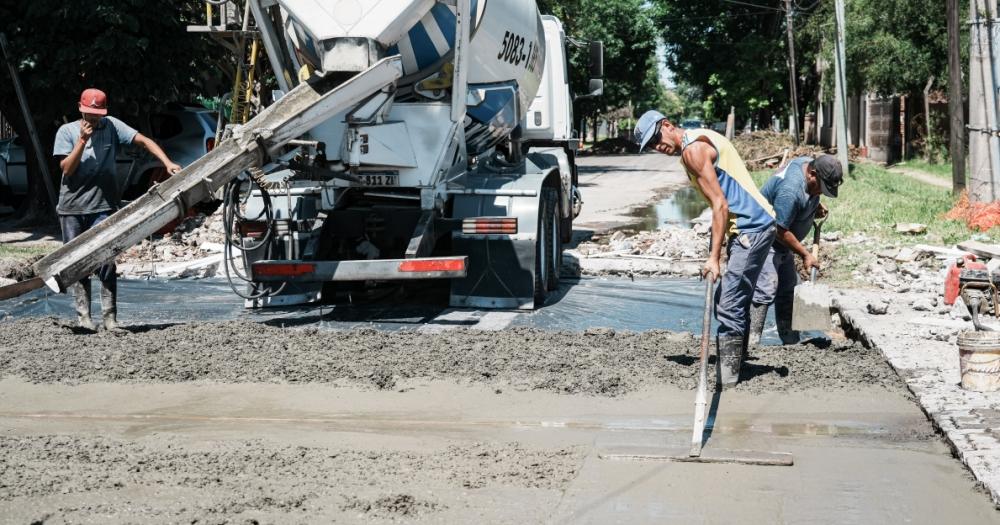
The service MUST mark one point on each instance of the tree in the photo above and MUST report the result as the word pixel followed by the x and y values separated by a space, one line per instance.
pixel 893 46
pixel 734 53
pixel 630 74
pixel 137 51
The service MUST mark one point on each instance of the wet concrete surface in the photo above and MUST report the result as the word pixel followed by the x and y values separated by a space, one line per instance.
pixel 435 451
pixel 447 416
pixel 596 361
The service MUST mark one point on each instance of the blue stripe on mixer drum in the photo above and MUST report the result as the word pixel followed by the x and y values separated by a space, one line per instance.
pixel 445 21
pixel 423 48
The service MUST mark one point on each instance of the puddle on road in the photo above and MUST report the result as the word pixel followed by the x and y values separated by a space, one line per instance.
pixel 678 209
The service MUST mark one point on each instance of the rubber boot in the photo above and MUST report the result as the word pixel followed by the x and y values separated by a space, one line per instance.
pixel 729 361
pixel 785 332
pixel 109 306
pixel 758 314
pixel 81 296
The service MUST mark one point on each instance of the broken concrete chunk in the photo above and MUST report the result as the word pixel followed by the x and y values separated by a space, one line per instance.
pixel 959 310
pixel 832 236
pixel 923 304
pixel 887 253
pixel 911 228
pixel 906 255
pixel 878 307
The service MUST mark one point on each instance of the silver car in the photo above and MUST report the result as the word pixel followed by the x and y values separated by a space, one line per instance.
pixel 185 133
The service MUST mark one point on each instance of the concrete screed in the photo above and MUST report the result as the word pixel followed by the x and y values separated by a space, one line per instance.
pixel 240 421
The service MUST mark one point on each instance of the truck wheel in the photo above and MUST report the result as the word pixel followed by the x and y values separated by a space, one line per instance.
pixel 555 243
pixel 543 245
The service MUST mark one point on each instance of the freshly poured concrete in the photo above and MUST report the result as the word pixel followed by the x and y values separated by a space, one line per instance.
pixel 449 430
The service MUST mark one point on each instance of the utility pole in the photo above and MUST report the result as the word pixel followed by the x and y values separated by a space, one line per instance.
pixel 840 99
pixel 43 167
pixel 791 71
pixel 956 106
pixel 984 146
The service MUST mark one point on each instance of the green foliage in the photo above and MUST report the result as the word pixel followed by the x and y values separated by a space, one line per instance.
pixel 735 54
pixel 892 46
pixel 627 29
pixel 137 51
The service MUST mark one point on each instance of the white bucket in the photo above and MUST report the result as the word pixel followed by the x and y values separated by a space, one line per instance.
pixel 979 360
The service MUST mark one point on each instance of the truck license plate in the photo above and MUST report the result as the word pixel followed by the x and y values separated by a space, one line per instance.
pixel 379 180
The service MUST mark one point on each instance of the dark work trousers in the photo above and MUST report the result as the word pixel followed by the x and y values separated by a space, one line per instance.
pixel 747 253
pixel 73 226
pixel 776 285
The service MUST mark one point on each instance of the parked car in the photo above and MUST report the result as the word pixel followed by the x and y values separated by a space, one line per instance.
pixel 185 133
pixel 691 123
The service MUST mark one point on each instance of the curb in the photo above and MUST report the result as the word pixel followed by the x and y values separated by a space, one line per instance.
pixel 969 421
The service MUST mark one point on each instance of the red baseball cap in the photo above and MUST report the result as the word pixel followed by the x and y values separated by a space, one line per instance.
pixel 93 101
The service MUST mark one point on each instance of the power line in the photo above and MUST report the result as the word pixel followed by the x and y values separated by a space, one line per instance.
pixel 755 5
pixel 725 15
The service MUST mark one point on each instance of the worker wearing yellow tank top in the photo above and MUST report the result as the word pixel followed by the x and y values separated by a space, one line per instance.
pixel 740 215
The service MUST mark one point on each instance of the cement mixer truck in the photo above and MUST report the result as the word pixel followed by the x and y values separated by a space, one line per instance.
pixel 408 139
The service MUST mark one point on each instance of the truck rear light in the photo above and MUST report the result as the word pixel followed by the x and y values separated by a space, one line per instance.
pixel 487 225
pixel 283 269
pixel 433 265
pixel 209 144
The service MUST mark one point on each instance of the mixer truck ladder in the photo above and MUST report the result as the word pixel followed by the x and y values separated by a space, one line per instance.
pixel 244 42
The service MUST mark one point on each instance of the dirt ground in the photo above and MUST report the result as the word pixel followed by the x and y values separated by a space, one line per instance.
pixel 242 422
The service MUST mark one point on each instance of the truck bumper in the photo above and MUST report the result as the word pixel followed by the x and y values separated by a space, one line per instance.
pixel 362 270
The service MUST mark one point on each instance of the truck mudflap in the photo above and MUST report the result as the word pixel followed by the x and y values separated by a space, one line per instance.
pixel 360 270
pixel 501 271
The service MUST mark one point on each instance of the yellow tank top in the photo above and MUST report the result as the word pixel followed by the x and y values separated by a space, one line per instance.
pixel 749 211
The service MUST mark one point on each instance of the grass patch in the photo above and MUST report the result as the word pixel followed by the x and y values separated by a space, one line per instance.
pixel 24 251
pixel 942 171
pixel 872 200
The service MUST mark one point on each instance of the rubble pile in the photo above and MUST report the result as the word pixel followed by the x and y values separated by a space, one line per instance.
pixel 906 269
pixel 675 244
pixel 673 251
pixel 765 149
pixel 197 236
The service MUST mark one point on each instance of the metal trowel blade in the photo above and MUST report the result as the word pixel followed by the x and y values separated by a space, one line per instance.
pixel 709 455
pixel 811 307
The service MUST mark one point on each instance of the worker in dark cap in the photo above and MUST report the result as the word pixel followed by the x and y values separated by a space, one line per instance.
pixel 794 192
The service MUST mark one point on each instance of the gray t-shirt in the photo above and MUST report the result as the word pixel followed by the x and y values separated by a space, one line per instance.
pixel 794 208
pixel 92 188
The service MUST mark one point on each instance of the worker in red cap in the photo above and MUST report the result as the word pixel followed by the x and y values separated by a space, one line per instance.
pixel 86 150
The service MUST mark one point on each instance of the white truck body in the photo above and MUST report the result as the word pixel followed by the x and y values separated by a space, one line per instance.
pixel 419 167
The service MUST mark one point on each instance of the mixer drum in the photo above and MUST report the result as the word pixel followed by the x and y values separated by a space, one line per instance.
pixel 506 52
